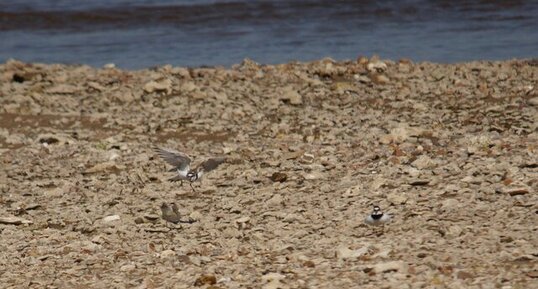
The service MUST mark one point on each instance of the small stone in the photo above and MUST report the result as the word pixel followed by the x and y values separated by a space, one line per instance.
pixel 241 224
pixel 270 277
pixel 438 74
pixel 376 66
pixel 88 246
pixel 111 218
pixel 517 191
pixel 533 274
pixel 533 101
pixel 157 230
pixel 206 279
pixel 167 254
pixel 279 177
pixel 454 231
pixel 48 139
pixel 506 239
pixel 446 270
pixel 188 86
pixel 307 158
pixel 423 162
pixel 346 253
pixel 98 239
pixel 244 219
pixel 450 204
pixel 470 179
pixel 273 280
pixel 379 78
pixel 103 167
pixel 164 85
pixel 196 216
pixel 362 78
pixel 14 221
pixel 224 280
pixel 293 218
pixel 391 266
pixel 152 217
pixel 419 182
pixel 96 86
pixel 464 275
pixel 128 268
pixel 397 198
pixel 63 89
pixel 275 200
pixel 181 71
pixel 362 60
pixel 290 94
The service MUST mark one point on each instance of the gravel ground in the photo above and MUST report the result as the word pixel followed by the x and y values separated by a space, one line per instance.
pixel 450 151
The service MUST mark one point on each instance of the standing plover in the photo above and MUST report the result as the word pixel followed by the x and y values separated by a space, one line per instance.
pixel 182 162
pixel 377 218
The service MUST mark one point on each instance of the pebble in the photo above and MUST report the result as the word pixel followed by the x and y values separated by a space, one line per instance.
pixel 111 218
pixel 275 200
pixel 279 177
pixel 376 66
pixel 419 182
pixel 397 198
pixel 14 221
pixel 343 252
pixel 167 254
pixel 290 94
pixel 516 191
pixel 164 85
pixel 206 279
pixel 423 162
pixel 391 266
pixel 450 204
pixel 128 268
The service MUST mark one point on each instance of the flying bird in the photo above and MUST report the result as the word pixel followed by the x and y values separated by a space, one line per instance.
pixel 181 163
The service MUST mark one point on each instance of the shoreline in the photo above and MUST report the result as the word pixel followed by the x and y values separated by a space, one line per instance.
pixel 450 150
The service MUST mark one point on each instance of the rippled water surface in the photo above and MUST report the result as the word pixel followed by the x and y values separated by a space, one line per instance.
pixel 143 33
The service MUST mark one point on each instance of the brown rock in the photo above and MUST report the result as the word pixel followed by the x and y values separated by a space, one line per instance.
pixel 14 221
pixel 163 85
pixel 290 94
pixel 464 275
pixel 279 177
pixel 516 191
pixel 206 279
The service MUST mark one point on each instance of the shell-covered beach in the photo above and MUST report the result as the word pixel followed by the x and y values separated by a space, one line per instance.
pixel 450 151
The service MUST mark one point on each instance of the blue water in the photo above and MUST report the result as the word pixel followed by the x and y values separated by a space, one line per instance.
pixel 144 33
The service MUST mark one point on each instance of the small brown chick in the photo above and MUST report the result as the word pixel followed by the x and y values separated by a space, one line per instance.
pixel 170 213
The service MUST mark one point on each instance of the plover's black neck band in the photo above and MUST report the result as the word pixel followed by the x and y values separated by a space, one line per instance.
pixel 376 216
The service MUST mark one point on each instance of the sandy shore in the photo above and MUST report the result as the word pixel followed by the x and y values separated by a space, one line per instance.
pixel 451 151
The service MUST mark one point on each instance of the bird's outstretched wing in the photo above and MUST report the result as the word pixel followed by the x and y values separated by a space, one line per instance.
pixel 212 163
pixel 177 159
